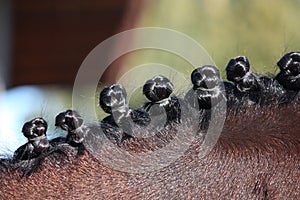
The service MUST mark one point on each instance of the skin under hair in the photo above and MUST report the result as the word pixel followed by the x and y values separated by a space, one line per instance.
pixel 257 156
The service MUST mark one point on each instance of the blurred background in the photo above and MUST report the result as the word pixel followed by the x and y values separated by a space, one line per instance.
pixel 43 43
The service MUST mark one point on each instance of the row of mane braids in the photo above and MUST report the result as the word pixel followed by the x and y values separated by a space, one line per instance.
pixel 243 89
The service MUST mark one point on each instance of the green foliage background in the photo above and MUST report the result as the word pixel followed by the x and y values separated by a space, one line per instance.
pixel 262 30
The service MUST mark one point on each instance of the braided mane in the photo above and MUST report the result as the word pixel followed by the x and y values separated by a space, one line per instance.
pixel 257 155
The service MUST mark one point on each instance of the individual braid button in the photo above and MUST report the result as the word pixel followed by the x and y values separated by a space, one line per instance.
pixel 237 68
pixel 35 131
pixel 206 93
pixel 289 75
pixel 248 87
pixel 72 122
pixel 29 156
pixel 158 90
pixel 207 89
pixel 119 125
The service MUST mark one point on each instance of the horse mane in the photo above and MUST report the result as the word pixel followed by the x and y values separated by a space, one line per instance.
pixel 257 156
